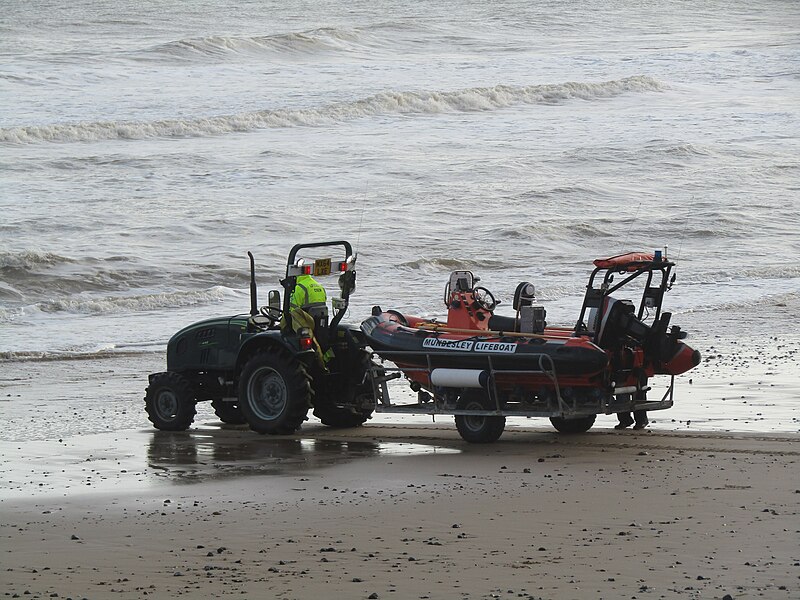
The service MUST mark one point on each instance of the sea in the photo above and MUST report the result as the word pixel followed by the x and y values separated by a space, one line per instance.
pixel 146 147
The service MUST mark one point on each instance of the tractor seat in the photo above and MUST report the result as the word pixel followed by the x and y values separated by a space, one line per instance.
pixel 319 312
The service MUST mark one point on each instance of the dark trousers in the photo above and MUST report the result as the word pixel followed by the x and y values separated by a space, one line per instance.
pixel 639 416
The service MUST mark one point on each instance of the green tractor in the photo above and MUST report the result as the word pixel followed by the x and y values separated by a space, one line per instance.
pixel 270 367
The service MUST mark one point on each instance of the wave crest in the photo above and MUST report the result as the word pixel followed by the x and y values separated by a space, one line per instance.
pixel 385 103
pixel 128 304
pixel 304 42
pixel 450 264
pixel 47 356
pixel 28 260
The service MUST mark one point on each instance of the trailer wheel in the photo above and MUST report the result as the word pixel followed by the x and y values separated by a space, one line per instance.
pixel 228 412
pixel 575 425
pixel 476 429
pixel 170 402
pixel 274 392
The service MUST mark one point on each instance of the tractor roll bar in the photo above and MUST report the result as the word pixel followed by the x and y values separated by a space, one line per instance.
pixel 348 248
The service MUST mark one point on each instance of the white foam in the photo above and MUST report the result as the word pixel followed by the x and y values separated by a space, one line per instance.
pixel 140 303
pixel 385 103
pixel 28 259
pixel 302 42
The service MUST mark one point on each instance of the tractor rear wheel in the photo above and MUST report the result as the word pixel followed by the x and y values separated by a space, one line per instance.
pixel 575 425
pixel 340 417
pixel 274 392
pixel 474 428
pixel 170 402
pixel 228 412
pixel 360 399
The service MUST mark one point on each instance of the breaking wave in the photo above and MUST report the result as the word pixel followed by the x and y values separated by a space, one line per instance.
pixel 762 301
pixel 82 304
pixel 28 260
pixel 145 302
pixel 559 231
pixel 47 356
pixel 29 276
pixel 450 264
pixel 324 39
pixel 385 103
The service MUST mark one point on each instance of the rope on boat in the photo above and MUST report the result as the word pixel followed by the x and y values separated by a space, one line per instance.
pixel 436 327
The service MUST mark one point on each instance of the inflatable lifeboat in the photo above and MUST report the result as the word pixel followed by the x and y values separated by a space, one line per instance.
pixel 608 356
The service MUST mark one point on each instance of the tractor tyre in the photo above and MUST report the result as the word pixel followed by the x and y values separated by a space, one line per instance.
pixel 170 402
pixel 228 412
pixel 575 425
pixel 361 401
pixel 274 392
pixel 338 417
pixel 476 429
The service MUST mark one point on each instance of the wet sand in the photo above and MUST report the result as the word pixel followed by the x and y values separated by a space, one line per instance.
pixel 703 504
pixel 402 512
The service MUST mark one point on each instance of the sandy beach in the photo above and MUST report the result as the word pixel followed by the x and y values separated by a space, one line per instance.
pixel 402 512
pixel 703 504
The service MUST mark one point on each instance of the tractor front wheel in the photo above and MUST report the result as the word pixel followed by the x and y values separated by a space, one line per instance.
pixel 170 402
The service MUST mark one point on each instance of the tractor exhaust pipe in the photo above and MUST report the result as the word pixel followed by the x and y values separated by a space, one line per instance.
pixel 253 288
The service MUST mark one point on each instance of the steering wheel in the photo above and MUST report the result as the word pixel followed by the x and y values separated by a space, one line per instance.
pixel 271 312
pixel 484 299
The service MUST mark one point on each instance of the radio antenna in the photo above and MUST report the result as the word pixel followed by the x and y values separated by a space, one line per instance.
pixel 628 235
pixel 360 223
pixel 683 232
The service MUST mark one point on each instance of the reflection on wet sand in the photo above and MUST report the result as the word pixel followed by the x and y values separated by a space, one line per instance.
pixel 204 454
pixel 101 462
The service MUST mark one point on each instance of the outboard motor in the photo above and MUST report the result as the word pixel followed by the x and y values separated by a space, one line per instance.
pixel 670 354
pixel 618 323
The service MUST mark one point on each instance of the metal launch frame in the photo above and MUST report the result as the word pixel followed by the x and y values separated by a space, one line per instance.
pixel 562 403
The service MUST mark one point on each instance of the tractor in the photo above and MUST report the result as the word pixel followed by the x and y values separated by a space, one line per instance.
pixel 267 368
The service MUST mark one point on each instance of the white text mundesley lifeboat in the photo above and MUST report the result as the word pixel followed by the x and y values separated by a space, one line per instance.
pixel 604 361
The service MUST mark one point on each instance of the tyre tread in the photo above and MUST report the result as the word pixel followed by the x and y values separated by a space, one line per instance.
pixel 298 383
pixel 186 403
